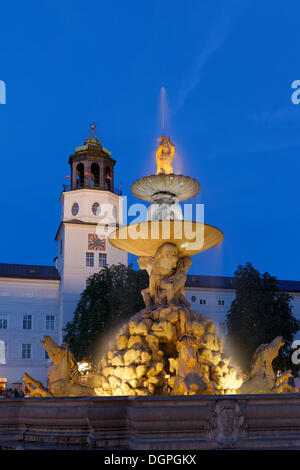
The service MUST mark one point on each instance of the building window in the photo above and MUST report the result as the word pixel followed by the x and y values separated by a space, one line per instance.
pixel 89 260
pixel 3 321
pixel 220 302
pixel 27 322
pixel 3 352
pixel 26 351
pixel 102 260
pixel 50 322
pixel 193 298
pixel 202 301
pixel 60 247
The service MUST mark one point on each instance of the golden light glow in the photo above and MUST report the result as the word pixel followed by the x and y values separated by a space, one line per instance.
pixel 83 366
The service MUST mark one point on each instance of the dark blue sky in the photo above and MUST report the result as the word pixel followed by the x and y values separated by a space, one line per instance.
pixel 227 67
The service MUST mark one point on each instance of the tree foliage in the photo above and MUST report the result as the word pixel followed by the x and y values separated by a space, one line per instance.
pixel 110 298
pixel 258 314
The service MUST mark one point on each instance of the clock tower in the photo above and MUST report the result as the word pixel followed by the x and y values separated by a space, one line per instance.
pixel 91 207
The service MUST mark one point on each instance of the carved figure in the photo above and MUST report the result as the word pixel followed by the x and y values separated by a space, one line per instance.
pixel 167 276
pixel 63 378
pixel 261 378
pixel 191 378
pixel 164 156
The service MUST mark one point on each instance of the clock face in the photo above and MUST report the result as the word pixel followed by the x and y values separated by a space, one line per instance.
pixel 96 243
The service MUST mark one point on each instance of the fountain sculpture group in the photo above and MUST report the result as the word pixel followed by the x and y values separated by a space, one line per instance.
pixel 166 348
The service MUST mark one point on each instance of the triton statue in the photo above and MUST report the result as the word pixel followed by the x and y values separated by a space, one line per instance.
pixel 167 276
pixel 164 156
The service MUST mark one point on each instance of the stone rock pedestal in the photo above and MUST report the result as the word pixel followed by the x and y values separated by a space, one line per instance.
pixel 166 350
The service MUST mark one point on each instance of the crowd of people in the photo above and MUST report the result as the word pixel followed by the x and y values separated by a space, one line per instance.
pixel 11 393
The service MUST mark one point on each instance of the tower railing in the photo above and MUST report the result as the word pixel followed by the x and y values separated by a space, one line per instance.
pixel 101 187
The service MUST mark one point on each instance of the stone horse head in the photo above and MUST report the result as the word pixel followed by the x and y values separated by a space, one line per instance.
pixel 65 368
pixel 58 353
pixel 261 363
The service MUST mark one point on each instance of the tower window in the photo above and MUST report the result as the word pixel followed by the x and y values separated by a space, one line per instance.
pixel 220 302
pixel 202 301
pixel 75 209
pixel 26 351
pixel 80 175
pixel 89 257
pixel 96 208
pixel 3 321
pixel 193 298
pixel 107 179
pixel 102 260
pixel 95 175
pixel 27 322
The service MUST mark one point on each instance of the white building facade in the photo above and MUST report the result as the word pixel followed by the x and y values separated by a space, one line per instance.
pixel 213 295
pixel 29 309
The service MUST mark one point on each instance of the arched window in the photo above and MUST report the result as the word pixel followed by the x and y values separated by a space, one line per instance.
pixel 95 175
pixel 107 179
pixel 80 175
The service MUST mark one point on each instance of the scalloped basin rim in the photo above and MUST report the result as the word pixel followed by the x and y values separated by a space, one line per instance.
pixel 182 187
pixel 143 240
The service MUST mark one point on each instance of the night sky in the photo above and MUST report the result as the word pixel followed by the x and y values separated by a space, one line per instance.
pixel 227 68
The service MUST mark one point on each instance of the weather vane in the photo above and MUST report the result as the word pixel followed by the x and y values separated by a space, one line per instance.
pixel 92 129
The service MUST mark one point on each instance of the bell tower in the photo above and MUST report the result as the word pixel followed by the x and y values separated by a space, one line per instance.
pixel 92 166
pixel 90 204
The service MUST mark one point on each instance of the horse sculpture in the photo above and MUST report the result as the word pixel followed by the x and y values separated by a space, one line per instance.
pixel 63 379
pixel 261 378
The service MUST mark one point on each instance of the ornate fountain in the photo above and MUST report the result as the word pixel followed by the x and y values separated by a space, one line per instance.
pixel 166 348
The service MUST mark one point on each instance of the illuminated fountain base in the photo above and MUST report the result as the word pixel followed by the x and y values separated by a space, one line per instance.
pixel 168 350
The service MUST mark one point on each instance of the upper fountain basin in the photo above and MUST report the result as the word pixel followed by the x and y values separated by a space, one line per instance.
pixel 176 188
